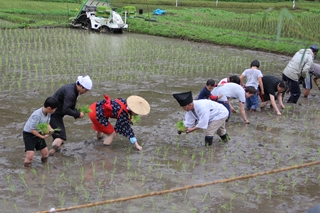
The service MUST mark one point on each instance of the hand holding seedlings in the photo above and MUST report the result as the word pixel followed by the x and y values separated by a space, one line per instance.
pixel 191 129
pixel 84 110
pixel 45 129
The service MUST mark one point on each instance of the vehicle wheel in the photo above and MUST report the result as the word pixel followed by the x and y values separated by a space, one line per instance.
pixel 117 31
pixel 104 29
pixel 88 25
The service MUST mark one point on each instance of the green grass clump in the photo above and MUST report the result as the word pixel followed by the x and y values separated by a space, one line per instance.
pixel 180 127
pixel 84 109
pixel 135 119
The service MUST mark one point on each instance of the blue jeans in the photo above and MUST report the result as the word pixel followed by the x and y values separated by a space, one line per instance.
pixel 226 104
pixel 252 102
pixel 294 89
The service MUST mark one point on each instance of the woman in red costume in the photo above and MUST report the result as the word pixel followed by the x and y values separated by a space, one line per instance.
pixel 120 109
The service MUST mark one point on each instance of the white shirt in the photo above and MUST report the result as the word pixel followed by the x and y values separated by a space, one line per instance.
pixel 252 76
pixel 205 111
pixel 35 118
pixel 230 90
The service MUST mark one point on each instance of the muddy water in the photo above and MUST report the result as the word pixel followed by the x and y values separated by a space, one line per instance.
pixel 35 63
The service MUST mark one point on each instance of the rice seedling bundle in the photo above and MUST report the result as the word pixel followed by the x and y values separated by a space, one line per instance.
pixel 84 109
pixel 180 127
pixel 135 119
pixel 43 128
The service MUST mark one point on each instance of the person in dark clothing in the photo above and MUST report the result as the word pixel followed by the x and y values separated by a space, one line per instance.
pixel 67 96
pixel 205 93
pixel 272 85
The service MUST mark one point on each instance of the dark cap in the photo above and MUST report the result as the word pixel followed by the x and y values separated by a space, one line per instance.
pixel 255 63
pixel 184 98
pixel 315 48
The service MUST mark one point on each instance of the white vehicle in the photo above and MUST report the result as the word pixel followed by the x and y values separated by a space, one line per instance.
pixel 96 15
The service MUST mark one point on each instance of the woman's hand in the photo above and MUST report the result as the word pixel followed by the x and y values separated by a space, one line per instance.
pixel 138 147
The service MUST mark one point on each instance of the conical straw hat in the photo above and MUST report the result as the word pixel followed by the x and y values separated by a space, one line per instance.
pixel 138 105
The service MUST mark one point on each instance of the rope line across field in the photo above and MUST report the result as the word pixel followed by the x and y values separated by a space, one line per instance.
pixel 183 188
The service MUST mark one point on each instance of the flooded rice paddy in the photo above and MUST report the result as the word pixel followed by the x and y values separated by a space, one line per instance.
pixel 35 63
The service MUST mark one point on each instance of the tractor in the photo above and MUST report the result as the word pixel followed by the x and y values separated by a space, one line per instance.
pixel 98 16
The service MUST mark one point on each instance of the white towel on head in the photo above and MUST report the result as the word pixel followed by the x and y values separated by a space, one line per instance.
pixel 85 81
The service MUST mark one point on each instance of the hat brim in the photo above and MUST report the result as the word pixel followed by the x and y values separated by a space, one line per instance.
pixel 138 105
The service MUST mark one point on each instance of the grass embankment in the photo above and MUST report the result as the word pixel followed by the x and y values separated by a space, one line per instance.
pixel 244 25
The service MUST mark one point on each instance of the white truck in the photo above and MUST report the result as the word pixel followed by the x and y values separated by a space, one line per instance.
pixel 98 15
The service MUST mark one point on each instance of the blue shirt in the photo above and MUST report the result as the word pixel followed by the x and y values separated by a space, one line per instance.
pixel 204 93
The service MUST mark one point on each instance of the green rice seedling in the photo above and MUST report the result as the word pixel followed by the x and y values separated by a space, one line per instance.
pixel 184 165
pixel 135 119
pixel 281 187
pixel 115 161
pixel 82 174
pixel 224 168
pixel 235 163
pixel 43 178
pixel 294 184
pixel 41 197
pixel 203 162
pixel 149 169
pixel 61 198
pixel 128 163
pixel 201 153
pixel 34 172
pixel 94 170
pixel 48 167
pixel 143 178
pixel 180 127
pixel 12 188
pixel 84 109
pixel 185 151
pixel 8 178
pixel 101 191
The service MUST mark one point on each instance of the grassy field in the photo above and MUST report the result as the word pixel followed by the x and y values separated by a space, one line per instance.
pixel 274 27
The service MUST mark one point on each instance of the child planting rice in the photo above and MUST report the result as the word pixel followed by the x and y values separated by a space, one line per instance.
pixel 36 129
